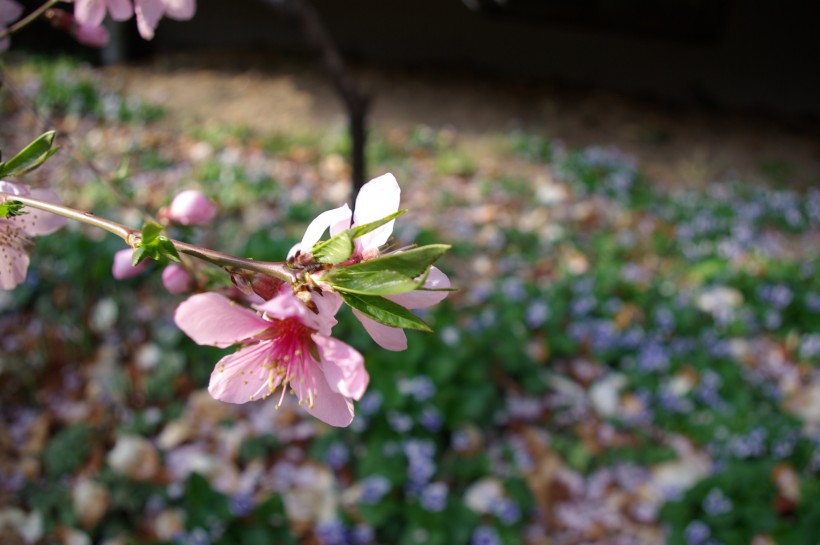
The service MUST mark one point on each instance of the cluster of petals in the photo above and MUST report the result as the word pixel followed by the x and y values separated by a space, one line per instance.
pixel 191 207
pixel 283 345
pixel 10 11
pixel 377 199
pixel 148 13
pixel 122 267
pixel 16 232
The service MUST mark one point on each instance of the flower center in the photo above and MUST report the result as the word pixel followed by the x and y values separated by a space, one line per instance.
pixel 290 360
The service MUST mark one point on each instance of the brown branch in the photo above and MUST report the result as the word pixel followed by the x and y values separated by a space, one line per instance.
pixel 356 101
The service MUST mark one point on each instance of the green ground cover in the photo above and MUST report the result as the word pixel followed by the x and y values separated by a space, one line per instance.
pixel 622 362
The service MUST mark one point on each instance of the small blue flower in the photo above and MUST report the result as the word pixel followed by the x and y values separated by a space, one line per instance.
pixel 696 532
pixel 485 535
pixel 337 455
pixel 241 504
pixel 507 511
pixel 716 503
pixel 331 532
pixel 374 488
pixel 399 422
pixel 433 497
pixel 431 419
pixel 371 402
pixel 362 534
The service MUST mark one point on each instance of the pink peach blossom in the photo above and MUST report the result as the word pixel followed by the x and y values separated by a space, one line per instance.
pixel 149 12
pixel 122 268
pixel 10 11
pixel 16 231
pixel 191 207
pixel 283 345
pixel 91 13
pixel 377 199
pixel 176 279
pixel 92 36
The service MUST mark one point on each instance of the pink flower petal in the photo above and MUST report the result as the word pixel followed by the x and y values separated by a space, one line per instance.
pixel 41 222
pixel 192 207
pixel 13 189
pixel 120 10
pixel 10 11
pixel 13 264
pixel 423 299
pixel 181 10
pixel 240 377
pixel 343 367
pixel 89 12
pixel 176 279
pixel 328 406
pixel 377 198
pixel 389 338
pixel 122 267
pixel 337 219
pixel 92 36
pixel 212 319
pixel 149 12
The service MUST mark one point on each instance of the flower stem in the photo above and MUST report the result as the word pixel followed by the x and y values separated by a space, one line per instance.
pixel 27 20
pixel 132 237
pixel 125 233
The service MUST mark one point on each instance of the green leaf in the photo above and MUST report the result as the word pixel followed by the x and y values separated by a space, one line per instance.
pixel 384 311
pixel 168 250
pixel 140 254
pixel 360 230
pixel 410 263
pixel 150 232
pixel 334 250
pixel 339 248
pixel 371 282
pixel 10 209
pixel 34 155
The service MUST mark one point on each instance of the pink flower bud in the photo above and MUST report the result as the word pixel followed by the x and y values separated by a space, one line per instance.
pixel 176 279
pixel 122 267
pixel 191 207
pixel 92 36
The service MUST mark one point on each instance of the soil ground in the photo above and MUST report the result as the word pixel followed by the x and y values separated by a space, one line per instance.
pixel 676 144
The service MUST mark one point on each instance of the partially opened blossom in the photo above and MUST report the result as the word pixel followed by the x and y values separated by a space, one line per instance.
pixel 91 13
pixel 10 11
pixel 122 267
pixel 149 12
pixel 16 231
pixel 285 345
pixel 377 199
pixel 86 34
pixel 191 207
pixel 176 279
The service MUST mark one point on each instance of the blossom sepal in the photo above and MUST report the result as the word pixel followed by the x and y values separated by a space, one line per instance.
pixel 155 245
pixel 339 248
pixel 384 311
pixel 10 209
pixel 31 157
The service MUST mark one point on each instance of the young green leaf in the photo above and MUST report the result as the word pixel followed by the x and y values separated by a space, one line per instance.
pixel 11 208
pixel 370 282
pixel 334 250
pixel 167 249
pixel 150 232
pixel 410 263
pixel 384 311
pixel 139 255
pixel 360 230
pixel 34 155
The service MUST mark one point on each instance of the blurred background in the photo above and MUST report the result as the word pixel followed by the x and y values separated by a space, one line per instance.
pixel 631 192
